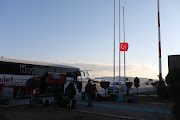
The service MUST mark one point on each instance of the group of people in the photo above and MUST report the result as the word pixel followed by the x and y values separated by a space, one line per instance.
pixel 90 90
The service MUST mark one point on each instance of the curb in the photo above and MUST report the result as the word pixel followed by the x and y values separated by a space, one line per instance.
pixel 109 115
pixel 157 103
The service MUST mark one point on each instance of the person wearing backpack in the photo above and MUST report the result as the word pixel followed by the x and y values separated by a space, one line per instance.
pixel 89 92
pixel 70 92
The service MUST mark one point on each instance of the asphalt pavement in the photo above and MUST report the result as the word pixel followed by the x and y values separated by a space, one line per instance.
pixel 146 111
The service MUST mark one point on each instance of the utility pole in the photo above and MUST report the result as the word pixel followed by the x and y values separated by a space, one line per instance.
pixel 159 41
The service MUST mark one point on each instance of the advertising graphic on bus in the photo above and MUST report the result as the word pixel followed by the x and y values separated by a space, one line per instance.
pixel 15 73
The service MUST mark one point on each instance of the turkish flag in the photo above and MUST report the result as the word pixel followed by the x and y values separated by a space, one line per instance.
pixel 123 46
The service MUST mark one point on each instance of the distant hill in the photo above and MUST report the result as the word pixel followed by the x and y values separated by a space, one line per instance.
pixel 142 80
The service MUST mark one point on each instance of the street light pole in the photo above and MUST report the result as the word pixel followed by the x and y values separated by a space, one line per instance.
pixel 114 52
pixel 119 49
pixel 124 54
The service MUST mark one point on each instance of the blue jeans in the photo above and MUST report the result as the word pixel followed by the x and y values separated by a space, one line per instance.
pixel 89 99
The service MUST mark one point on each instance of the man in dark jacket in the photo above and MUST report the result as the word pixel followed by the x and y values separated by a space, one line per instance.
pixel 89 92
pixel 70 90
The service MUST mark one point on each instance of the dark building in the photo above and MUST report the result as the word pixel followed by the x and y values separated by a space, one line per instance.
pixel 173 62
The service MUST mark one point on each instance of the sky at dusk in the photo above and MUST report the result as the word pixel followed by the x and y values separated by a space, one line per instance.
pixel 80 33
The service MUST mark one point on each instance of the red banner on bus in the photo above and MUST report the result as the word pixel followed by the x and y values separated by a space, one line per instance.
pixel 56 78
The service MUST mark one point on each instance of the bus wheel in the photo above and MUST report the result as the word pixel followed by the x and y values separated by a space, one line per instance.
pixel 6 102
pixel 20 93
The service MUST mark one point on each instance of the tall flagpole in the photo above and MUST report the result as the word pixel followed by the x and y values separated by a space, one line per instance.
pixel 124 54
pixel 114 51
pixel 159 38
pixel 119 49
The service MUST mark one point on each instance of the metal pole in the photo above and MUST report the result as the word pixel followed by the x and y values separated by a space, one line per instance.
pixel 124 54
pixel 119 49
pixel 114 51
pixel 159 41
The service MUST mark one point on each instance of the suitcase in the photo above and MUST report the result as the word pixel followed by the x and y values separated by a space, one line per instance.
pixel 99 97
pixel 83 95
pixel 73 105
pixel 134 99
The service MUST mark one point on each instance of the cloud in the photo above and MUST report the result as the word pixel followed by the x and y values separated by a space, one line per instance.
pixel 106 70
pixel 146 71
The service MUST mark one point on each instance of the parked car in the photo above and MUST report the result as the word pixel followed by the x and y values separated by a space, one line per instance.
pixel 116 86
